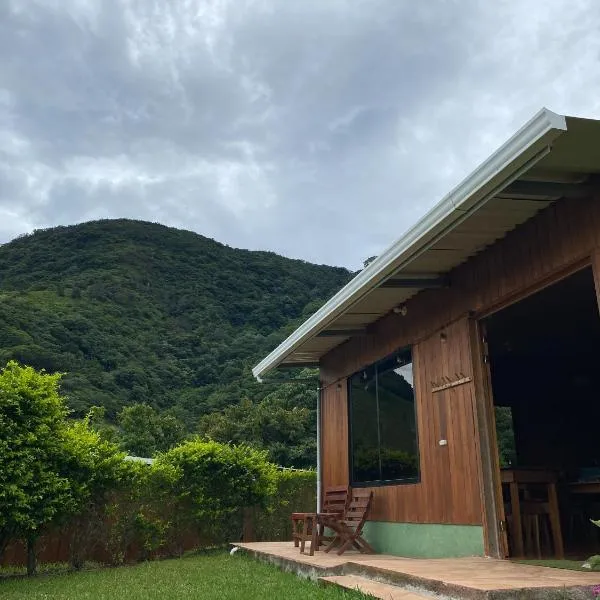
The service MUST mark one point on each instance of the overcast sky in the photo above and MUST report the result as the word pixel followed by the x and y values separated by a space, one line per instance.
pixel 320 129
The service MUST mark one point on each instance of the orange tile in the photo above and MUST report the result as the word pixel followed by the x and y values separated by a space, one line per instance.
pixel 476 573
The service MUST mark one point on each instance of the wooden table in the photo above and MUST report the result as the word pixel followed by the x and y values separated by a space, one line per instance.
pixel 518 477
pixel 584 487
pixel 305 527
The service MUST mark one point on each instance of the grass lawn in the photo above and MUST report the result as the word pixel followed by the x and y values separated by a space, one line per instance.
pixel 572 565
pixel 203 576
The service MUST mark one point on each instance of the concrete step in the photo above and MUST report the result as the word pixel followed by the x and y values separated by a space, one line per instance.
pixel 373 588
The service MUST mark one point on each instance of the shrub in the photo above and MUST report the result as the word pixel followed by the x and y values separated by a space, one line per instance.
pixel 214 482
pixel 58 473
pixel 95 469
pixel 295 491
pixel 593 562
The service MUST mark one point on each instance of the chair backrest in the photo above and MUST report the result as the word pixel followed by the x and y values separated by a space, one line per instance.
pixel 335 500
pixel 358 508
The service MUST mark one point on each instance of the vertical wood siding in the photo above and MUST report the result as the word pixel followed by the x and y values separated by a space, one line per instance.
pixel 561 238
pixel 334 434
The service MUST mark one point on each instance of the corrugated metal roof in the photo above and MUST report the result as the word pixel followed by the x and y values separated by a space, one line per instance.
pixel 549 158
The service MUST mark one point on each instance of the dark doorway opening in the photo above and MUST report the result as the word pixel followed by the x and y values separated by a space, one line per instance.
pixel 545 376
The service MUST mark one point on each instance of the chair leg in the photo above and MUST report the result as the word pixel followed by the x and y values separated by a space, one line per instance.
pixel 510 534
pixel 334 542
pixel 364 546
pixel 303 537
pixel 555 522
pixel 527 533
pixel 536 529
pixel 356 541
pixel 345 546
pixel 314 540
pixel 547 544
pixel 295 536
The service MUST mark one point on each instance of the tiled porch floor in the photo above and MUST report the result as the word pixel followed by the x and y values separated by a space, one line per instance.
pixel 448 575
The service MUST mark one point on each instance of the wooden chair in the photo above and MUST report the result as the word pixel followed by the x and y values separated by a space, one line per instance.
pixel 335 502
pixel 538 508
pixel 308 526
pixel 335 499
pixel 348 529
pixel 535 516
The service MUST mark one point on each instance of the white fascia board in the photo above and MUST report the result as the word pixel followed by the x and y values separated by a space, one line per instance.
pixel 536 134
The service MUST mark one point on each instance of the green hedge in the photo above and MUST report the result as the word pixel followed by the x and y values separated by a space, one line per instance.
pixel 59 477
pixel 296 491
pixel 150 519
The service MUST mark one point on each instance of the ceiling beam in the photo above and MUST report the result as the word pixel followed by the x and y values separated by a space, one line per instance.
pixel 543 190
pixel 297 365
pixel 415 282
pixel 341 332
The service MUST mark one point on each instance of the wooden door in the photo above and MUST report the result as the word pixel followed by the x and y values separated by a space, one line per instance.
pixel 494 520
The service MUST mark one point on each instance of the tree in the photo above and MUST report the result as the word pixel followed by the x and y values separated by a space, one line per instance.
pixel 52 468
pixel 283 423
pixel 146 432
pixel 138 313
pixel 96 419
pixel 33 492
pixel 506 436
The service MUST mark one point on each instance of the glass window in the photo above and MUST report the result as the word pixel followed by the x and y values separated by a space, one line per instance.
pixel 365 444
pixel 383 431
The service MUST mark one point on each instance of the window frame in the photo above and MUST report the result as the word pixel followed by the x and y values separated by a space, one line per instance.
pixel 382 482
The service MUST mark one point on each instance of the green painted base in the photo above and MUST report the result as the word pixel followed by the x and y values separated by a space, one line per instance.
pixel 425 540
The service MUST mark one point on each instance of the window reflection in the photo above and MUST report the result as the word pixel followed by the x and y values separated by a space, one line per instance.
pixel 383 424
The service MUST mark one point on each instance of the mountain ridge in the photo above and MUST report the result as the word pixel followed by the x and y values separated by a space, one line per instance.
pixel 137 312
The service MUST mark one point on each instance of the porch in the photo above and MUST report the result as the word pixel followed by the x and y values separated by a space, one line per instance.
pixel 391 577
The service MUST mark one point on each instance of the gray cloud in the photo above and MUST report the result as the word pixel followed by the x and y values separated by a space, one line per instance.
pixel 320 130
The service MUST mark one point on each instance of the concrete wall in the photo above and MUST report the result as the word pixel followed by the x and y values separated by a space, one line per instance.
pixel 425 539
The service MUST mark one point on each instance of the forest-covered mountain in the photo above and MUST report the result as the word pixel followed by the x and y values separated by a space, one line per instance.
pixel 138 313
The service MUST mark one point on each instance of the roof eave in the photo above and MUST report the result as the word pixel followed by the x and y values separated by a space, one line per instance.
pixel 542 128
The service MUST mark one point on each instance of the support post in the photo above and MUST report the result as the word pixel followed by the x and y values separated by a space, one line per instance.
pixel 319 449
pixel 595 259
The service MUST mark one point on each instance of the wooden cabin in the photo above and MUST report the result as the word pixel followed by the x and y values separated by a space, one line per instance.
pixel 458 369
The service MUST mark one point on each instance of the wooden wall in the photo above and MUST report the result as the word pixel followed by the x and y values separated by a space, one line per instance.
pixel 449 487
pixel 561 238
pixel 334 434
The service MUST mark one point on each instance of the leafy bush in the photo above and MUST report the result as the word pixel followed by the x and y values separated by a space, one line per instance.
pixel 215 481
pixel 593 562
pixel 63 476
pixel 143 517
pixel 95 469
pixel 295 491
